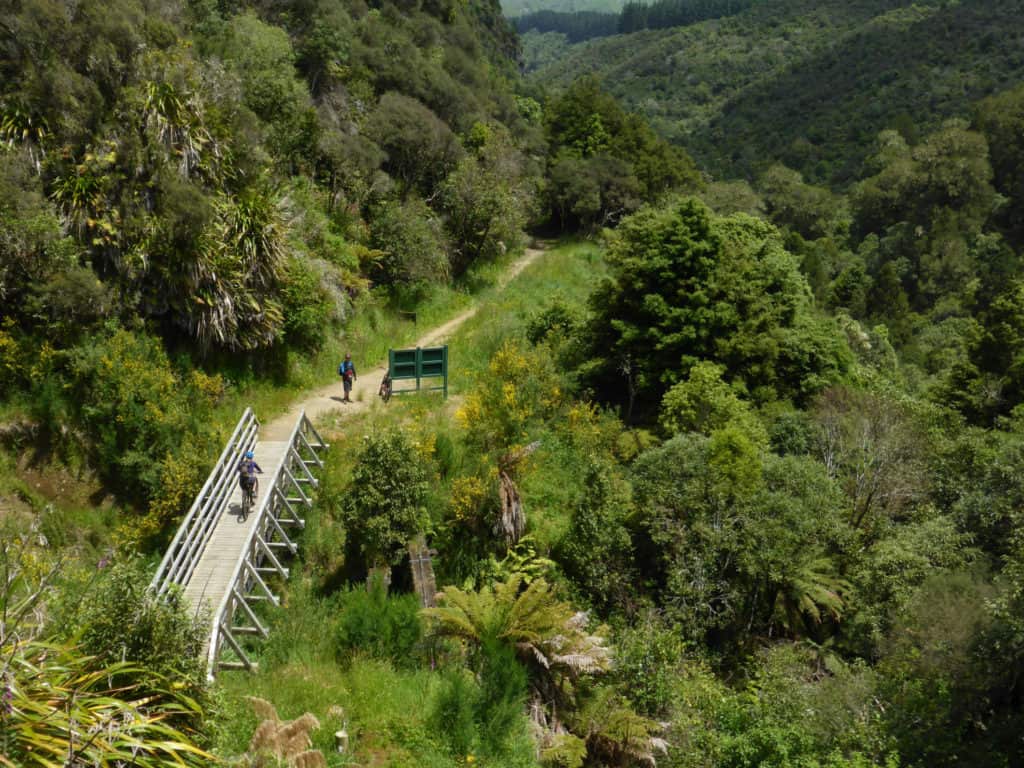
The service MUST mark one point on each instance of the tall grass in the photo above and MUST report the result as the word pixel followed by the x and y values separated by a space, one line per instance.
pixel 568 271
pixel 382 710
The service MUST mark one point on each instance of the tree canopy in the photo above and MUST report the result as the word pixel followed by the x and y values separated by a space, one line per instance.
pixel 688 286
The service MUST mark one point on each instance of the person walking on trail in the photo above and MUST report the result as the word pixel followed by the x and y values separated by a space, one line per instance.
pixel 347 371
pixel 247 469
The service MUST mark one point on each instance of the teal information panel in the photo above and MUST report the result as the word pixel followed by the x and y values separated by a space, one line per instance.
pixel 418 364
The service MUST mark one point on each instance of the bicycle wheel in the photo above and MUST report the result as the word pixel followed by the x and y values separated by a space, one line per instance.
pixel 248 499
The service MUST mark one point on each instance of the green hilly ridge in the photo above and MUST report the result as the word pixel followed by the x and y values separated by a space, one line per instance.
pixel 809 84
pixel 513 8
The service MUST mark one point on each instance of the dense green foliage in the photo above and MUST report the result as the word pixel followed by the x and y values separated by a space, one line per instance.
pixel 606 162
pixel 117 618
pixel 576 26
pixel 203 203
pixel 686 287
pixel 514 8
pixel 62 704
pixel 663 14
pixel 165 173
pixel 384 508
pixel 805 83
pixel 580 25
pixel 372 622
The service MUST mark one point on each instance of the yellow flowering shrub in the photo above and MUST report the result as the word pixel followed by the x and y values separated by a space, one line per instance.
pixel 42 366
pixel 471 411
pixel 210 388
pixel 425 446
pixel 10 355
pixel 583 423
pixel 467 496
pixel 150 427
pixel 519 388
pixel 182 475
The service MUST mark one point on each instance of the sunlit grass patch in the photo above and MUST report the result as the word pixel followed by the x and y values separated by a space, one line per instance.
pixel 568 271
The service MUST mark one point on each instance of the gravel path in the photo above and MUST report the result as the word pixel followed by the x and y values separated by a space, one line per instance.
pixel 328 399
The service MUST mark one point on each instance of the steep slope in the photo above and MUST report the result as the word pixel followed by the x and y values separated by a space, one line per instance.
pixel 806 82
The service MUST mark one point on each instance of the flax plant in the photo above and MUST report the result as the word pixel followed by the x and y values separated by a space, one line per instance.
pixel 59 707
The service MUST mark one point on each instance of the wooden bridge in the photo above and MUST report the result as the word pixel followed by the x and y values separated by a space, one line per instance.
pixel 223 564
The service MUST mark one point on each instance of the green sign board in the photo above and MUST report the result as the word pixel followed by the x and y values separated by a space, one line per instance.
pixel 418 364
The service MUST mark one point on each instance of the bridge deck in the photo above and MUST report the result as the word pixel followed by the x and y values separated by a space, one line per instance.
pixel 212 576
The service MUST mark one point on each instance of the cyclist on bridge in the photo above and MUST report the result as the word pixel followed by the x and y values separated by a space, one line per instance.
pixel 247 469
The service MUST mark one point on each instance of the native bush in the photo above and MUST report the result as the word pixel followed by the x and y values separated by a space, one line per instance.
pixel 791 713
pixel 308 307
pixel 703 402
pixel 557 317
pixel 648 661
pixel 412 243
pixel 51 691
pixel 687 286
pixel 116 618
pixel 487 198
pixel 263 57
pixel 734 537
pixel 932 672
pixel 420 147
pixel 136 410
pixel 378 624
pixel 597 551
pixel 887 574
pixel 384 507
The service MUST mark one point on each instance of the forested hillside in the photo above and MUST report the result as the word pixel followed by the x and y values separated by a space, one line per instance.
pixel 729 476
pixel 805 83
pixel 206 198
pixel 579 25
pixel 514 8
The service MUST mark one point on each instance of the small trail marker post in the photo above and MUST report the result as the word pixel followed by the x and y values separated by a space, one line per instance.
pixel 418 364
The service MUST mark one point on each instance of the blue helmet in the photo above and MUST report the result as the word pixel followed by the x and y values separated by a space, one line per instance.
pixel 249 454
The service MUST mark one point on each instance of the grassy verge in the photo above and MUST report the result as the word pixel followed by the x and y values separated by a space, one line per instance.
pixel 386 713
pixel 376 326
pixel 569 271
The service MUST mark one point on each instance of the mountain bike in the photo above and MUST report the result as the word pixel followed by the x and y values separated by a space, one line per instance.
pixel 385 388
pixel 248 499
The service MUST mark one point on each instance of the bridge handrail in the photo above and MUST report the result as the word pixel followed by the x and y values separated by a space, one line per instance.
pixel 197 527
pixel 237 583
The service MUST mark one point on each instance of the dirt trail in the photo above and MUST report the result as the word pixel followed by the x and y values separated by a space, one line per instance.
pixel 327 399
